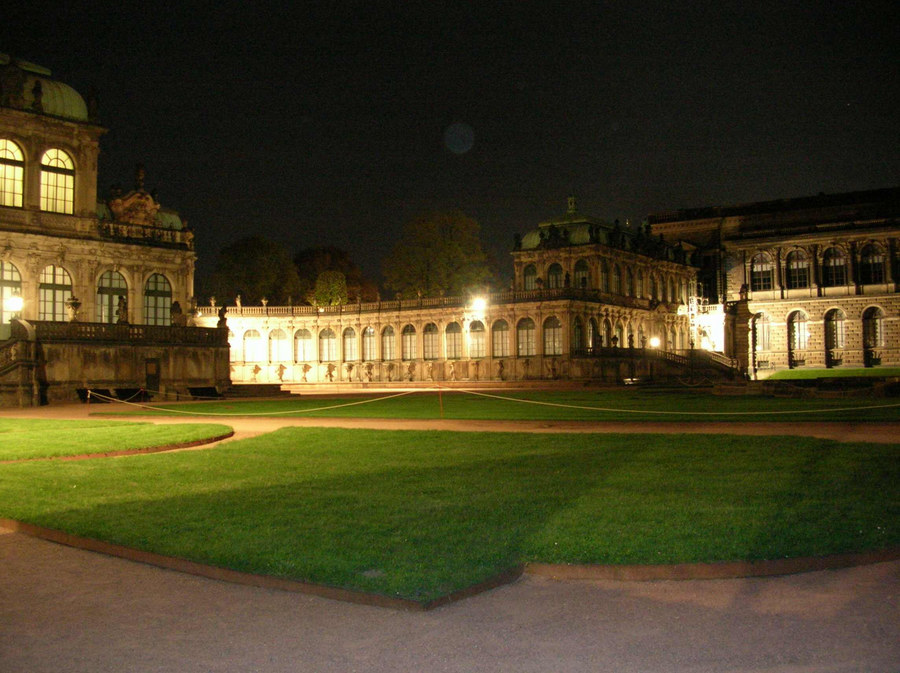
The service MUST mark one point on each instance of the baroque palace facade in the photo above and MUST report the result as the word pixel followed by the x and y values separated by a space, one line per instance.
pixel 77 271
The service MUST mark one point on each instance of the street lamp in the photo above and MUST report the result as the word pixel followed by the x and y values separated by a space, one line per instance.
pixel 654 342
pixel 13 304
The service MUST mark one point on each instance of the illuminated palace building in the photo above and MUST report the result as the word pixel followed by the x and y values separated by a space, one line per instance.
pixel 743 290
pixel 87 286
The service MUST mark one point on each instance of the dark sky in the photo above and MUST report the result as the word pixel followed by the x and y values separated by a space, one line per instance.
pixel 327 123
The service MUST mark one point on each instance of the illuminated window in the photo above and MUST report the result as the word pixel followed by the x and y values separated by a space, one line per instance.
pixel 476 339
pixel 279 346
pixel 525 337
pixel 303 346
pixel 431 342
pixel 593 335
pixel 607 333
pixel 555 276
pixel 834 268
pixel 388 344
pixel 12 170
pixel 798 336
pixel 327 345
pixel 761 331
pixel 10 286
pixel 552 336
pixel 872 323
pixel 350 349
pixel 834 329
pixel 253 346
pixel 368 349
pixel 871 265
pixel 762 274
pixel 157 301
pixel 530 277
pixel 620 335
pixel 500 339
pixel 55 287
pixel 582 275
pixel 112 286
pixel 797 275
pixel 57 182
pixel 408 350
pixel 453 336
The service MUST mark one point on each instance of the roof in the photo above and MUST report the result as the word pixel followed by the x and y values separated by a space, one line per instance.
pixel 27 86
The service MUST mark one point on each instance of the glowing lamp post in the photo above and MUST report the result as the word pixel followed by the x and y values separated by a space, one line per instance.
pixel 654 342
pixel 13 305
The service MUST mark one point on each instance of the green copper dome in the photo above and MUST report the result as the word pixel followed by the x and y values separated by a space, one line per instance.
pixel 28 86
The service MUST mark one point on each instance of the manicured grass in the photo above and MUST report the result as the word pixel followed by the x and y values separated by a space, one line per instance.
pixel 420 514
pixel 836 373
pixel 39 438
pixel 624 404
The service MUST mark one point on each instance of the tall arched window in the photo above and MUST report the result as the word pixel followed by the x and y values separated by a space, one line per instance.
pixel 762 273
pixel 654 288
pixel 253 346
pixel 797 270
pixel 607 333
pixel 834 268
pixel 303 346
pixel 55 287
pixel 157 301
pixel 616 280
pixel 57 182
pixel 388 344
pixel 431 342
pixel 672 298
pixel 500 339
pixel 525 337
pixel 593 335
pixel 476 340
pixel 604 276
pixel 554 276
pixel 620 334
pixel 10 286
pixel 369 346
pixel 871 265
pixel 351 354
pixel 629 282
pixel 279 346
pixel 327 345
pixel 639 284
pixel 798 337
pixel 112 285
pixel 582 275
pixel 552 336
pixel 577 335
pixel 873 333
pixel 530 277
pixel 12 171
pixel 761 331
pixel 453 337
pixel 834 329
pixel 408 350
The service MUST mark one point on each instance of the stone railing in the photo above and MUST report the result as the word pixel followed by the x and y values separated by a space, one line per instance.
pixel 86 331
pixel 138 233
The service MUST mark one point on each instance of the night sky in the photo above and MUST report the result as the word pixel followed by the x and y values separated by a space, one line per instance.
pixel 333 123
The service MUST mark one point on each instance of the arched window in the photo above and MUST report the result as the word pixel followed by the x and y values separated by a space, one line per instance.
pixel 10 286
pixel 388 344
pixel 476 339
pixel 552 336
pixel 834 268
pixel 554 276
pixel 12 170
pixel 607 333
pixel 55 287
pixel 350 350
pixel 327 345
pixel 761 331
pixel 620 334
pixel 582 275
pixel 408 350
pixel 629 282
pixel 593 336
pixel 530 277
pixel 279 346
pixel 798 337
pixel 654 288
pixel 797 270
pixel 253 346
pixel 453 337
pixel 577 335
pixel 873 333
pixel 303 346
pixel 672 298
pixel 431 342
pixel 604 276
pixel 871 265
pixel 525 337
pixel 369 350
pixel 639 284
pixel 500 339
pixel 57 182
pixel 157 301
pixel 616 280
pixel 834 329
pixel 112 286
pixel 762 273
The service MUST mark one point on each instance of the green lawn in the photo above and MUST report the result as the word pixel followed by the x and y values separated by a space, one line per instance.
pixel 39 438
pixel 836 373
pixel 420 514
pixel 608 405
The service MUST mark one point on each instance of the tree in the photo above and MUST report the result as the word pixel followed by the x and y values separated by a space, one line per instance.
pixel 312 262
pixel 331 289
pixel 254 268
pixel 437 253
